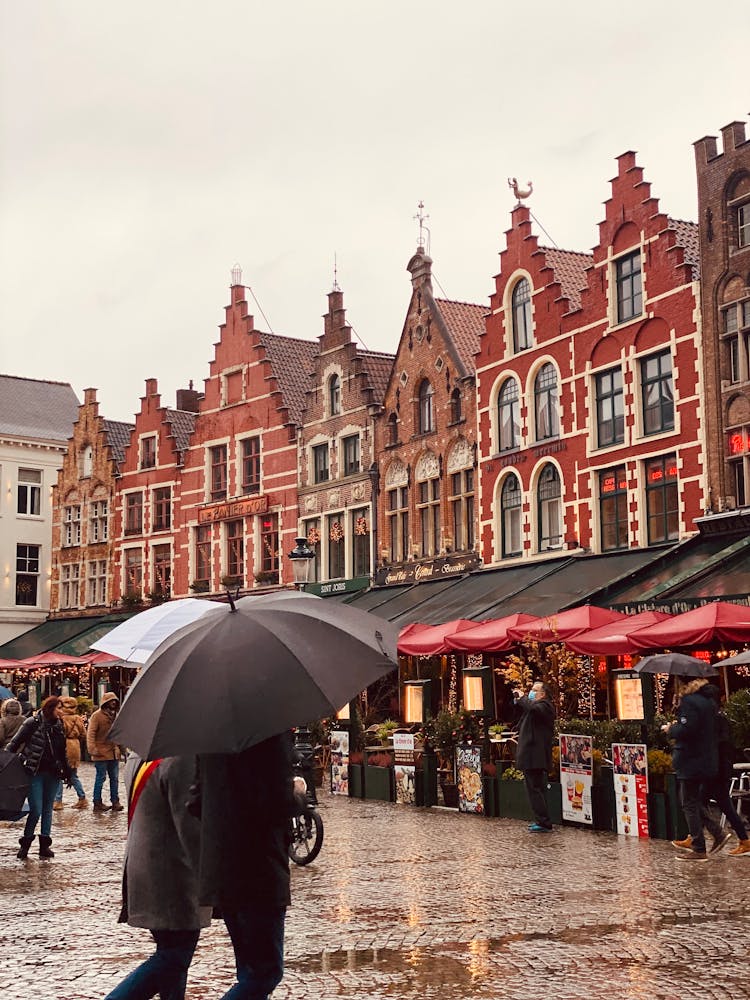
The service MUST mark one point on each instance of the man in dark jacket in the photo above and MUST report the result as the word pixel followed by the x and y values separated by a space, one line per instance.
pixel 246 804
pixel 536 731
pixel 695 758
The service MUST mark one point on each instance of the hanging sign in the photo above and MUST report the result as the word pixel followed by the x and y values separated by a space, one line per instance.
pixel 404 769
pixel 576 776
pixel 469 770
pixel 339 762
pixel 630 775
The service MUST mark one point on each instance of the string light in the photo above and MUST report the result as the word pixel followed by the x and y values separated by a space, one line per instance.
pixel 453 685
pixel 586 688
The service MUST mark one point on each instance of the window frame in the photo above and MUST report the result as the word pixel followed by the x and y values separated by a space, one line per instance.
pixel 96 583
pixel 347 443
pixel 234 538
pixel 334 395
pixel 654 489
pixel 203 548
pixel 461 502
pixel 133 524
pixel 132 569
pixel 743 226
pixel 428 515
pixel 513 405
pixel 426 407
pixel 665 402
pixel 98 521
pixel 522 324
pixel 608 396
pixel 269 542
pixel 617 498
pixel 148 452
pixel 161 501
pixel 321 469
pixel 508 513
pixel 31 490
pixel 71 526
pixel 547 399
pixel 628 283
pixel 251 464
pixel 397 518
pixel 549 542
pixel 28 572
pixel 218 469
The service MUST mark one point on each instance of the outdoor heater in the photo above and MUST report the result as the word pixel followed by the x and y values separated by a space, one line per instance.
pixel 477 690
pixel 301 557
pixel 417 701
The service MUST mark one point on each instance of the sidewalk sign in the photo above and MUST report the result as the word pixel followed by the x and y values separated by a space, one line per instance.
pixel 403 760
pixel 469 769
pixel 630 775
pixel 576 777
pixel 339 762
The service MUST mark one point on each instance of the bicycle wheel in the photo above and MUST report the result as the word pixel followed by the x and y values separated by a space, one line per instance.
pixel 307 838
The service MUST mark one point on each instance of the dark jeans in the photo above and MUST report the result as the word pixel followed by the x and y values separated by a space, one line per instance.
pixel 718 790
pixel 257 934
pixel 106 769
pixel 41 799
pixel 691 800
pixel 536 789
pixel 164 973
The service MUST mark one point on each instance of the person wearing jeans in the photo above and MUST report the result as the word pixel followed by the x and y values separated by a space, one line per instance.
pixel 75 731
pixel 104 753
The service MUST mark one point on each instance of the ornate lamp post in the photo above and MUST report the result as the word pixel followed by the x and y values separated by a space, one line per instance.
pixel 301 557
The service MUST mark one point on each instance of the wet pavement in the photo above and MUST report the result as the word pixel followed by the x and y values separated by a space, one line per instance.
pixel 407 903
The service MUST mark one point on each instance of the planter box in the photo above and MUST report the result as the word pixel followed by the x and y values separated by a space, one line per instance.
pixel 512 800
pixel 658 806
pixel 554 802
pixel 379 784
pixel 676 825
pixel 356 781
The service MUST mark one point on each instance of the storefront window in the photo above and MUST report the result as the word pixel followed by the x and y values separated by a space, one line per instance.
pixel 661 500
pixel 336 547
pixel 361 541
pixel 613 508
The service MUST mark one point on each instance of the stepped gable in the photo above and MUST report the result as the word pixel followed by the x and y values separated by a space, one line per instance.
pixel 291 365
pixel 688 237
pixel 37 408
pixel 118 438
pixel 182 423
pixel 465 323
pixel 569 267
pixel 376 367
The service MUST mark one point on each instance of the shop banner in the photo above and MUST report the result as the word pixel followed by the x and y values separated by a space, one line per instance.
pixel 403 760
pixel 340 762
pixel 576 777
pixel 630 771
pixel 469 769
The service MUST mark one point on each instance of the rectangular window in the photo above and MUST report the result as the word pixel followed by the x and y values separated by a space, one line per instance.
pixel 161 502
pixel 658 393
pixel 162 559
pixel 361 546
pixel 336 547
pixel 148 452
pixel 269 545
pixel 96 583
pixel 133 514
pixel 462 509
pixel 629 288
pixel 133 573
pixel 428 511
pixel 233 387
pixel 350 447
pixel 236 549
pixel 98 521
pixel 202 538
pixel 70 581
pixel 743 226
pixel 320 463
pixel 251 465
pixel 613 508
pixel 218 456
pixel 311 531
pixel 737 472
pixel 29 492
pixel 27 575
pixel 610 413
pixel 398 523
pixel 71 534
pixel 734 359
pixel 662 504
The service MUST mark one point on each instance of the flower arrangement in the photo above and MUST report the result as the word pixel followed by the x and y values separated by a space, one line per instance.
pixel 511 774
pixel 313 537
pixel 337 532
pixel 361 527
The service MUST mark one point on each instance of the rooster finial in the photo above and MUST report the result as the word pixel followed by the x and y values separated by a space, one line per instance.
pixel 520 193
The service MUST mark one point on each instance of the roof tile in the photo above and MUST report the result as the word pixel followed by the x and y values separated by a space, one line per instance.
pixel 465 322
pixel 36 408
pixel 291 363
pixel 688 237
pixel 182 422
pixel 569 267
pixel 118 438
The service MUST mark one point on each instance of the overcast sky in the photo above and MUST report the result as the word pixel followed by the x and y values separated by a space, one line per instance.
pixel 147 147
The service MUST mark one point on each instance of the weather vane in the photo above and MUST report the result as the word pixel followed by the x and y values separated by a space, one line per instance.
pixel 335 275
pixel 421 217
pixel 520 193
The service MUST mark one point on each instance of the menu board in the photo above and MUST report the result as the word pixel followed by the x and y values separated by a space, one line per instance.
pixel 630 774
pixel 576 776
pixel 469 770
pixel 628 687
pixel 340 762
pixel 403 761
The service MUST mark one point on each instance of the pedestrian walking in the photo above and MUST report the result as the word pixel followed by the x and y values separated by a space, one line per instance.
pixel 40 742
pixel 104 753
pixel 27 708
pixel 695 760
pixel 246 802
pixel 11 720
pixel 536 732
pixel 160 881
pixel 75 731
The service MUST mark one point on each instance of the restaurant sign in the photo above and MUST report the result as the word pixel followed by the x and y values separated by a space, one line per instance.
pixel 433 569
pixel 234 508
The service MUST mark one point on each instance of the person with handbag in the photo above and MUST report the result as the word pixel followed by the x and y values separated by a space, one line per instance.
pixel 40 743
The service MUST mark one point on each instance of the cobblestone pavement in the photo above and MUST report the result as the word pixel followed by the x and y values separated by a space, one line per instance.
pixel 403 904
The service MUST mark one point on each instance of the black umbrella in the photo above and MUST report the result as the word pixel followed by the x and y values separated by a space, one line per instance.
pixel 14 785
pixel 228 681
pixel 731 661
pixel 677 664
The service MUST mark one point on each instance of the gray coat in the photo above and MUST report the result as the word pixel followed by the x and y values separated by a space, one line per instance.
pixel 160 883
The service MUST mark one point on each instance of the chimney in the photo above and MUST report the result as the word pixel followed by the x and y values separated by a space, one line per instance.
pixel 152 387
pixel 89 397
pixel 336 331
pixel 733 136
pixel 188 399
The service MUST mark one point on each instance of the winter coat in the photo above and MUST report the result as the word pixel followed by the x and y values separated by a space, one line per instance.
pixel 11 720
pixel 34 737
pixel 536 732
pixel 100 723
pixel 246 805
pixel 695 755
pixel 75 730
pixel 160 882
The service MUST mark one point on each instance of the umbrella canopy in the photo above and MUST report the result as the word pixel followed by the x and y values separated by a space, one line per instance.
pixel 676 664
pixel 488 637
pixel 53 660
pixel 740 658
pixel 613 638
pixel 137 638
pixel 718 622
pixel 565 625
pixel 429 640
pixel 236 678
pixel 8 664
pixel 101 659
pixel 14 785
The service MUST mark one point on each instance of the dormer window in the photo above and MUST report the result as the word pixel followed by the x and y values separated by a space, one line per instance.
pixel 426 408
pixel 86 461
pixel 334 395
pixel 521 316
pixel 456 407
pixel 393 429
pixel 629 286
pixel 148 452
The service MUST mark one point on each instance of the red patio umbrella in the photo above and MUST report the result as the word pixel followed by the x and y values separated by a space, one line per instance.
pixel 487 637
pixel 429 640
pixel 53 660
pixel 566 624
pixel 9 664
pixel 614 638
pixel 718 622
pixel 100 658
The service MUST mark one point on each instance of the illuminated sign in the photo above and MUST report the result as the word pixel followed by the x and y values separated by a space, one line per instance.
pixel 739 443
pixel 628 689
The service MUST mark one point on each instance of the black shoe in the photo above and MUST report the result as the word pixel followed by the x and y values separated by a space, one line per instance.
pixel 720 841
pixel 45 843
pixel 25 843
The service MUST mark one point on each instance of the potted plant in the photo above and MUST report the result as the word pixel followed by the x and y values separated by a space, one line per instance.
pixel 442 734
pixel 267 576
pixel 132 600
pixel 385 731
pixel 379 781
pixel 231 582
pixel 199 586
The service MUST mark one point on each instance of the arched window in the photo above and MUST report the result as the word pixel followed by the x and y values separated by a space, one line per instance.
pixel 456 408
pixel 426 408
pixel 521 312
pixel 393 429
pixel 549 509
pixel 546 403
pixel 508 416
pixel 510 515
pixel 334 395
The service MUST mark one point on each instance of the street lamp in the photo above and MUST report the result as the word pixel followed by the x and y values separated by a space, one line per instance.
pixel 301 556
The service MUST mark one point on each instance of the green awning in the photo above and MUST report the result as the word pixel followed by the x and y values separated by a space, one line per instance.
pixel 57 634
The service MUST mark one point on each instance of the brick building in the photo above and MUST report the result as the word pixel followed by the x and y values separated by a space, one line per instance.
pixel 591 429
pixel 724 214
pixel 425 438
pixel 83 505
pixel 336 453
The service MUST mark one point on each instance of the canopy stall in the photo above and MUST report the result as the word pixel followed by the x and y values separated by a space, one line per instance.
pixel 429 640
pixel 613 639
pixel 565 625
pixel 487 637
pixel 708 625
